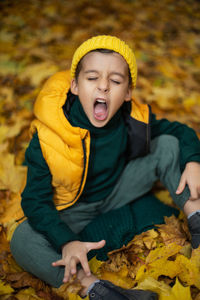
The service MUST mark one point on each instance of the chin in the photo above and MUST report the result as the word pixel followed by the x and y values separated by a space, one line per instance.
pixel 98 124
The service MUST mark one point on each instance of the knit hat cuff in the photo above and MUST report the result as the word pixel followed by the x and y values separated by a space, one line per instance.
pixel 106 42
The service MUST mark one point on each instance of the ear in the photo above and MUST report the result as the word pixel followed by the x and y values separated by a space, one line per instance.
pixel 74 86
pixel 128 94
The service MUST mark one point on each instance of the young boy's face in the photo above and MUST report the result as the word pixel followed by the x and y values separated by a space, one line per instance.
pixel 102 86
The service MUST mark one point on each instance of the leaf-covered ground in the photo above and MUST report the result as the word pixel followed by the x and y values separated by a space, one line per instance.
pixel 38 38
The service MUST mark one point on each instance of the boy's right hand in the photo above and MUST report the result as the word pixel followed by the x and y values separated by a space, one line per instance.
pixel 76 252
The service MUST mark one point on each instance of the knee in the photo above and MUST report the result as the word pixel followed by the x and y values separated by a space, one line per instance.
pixel 19 240
pixel 165 150
pixel 34 254
pixel 167 144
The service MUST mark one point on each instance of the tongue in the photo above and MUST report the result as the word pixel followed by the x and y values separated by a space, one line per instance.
pixel 100 111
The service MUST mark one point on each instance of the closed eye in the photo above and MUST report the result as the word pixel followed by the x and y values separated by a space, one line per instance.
pixel 115 81
pixel 92 78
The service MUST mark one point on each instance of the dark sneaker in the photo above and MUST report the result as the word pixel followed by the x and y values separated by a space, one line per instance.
pixel 105 290
pixel 194 228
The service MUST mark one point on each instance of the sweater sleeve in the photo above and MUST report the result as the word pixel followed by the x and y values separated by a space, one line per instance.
pixel 37 199
pixel 188 140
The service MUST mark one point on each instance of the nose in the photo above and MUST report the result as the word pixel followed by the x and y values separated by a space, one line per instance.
pixel 103 85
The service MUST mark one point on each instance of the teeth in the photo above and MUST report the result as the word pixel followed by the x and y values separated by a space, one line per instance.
pixel 101 101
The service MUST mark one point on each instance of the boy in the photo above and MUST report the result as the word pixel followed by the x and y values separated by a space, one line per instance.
pixel 96 147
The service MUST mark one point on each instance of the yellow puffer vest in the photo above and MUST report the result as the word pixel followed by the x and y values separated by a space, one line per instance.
pixel 66 148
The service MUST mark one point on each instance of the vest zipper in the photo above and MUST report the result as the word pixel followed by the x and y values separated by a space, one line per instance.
pixel 84 167
pixel 149 131
pixel 83 174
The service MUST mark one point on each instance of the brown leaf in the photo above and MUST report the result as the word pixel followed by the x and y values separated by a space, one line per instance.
pixel 172 231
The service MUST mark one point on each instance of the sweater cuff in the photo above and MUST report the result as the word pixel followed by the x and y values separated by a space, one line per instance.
pixel 192 158
pixel 61 236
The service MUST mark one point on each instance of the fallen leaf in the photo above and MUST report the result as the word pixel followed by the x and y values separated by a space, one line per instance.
pixel 5 289
pixel 179 292
pixel 12 177
pixel 27 294
pixel 159 287
pixel 38 72
pixel 120 278
pixel 172 231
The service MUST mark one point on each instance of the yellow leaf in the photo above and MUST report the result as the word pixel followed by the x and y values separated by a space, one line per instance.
pixel 158 263
pixel 192 101
pixel 188 103
pixel 190 268
pixel 171 70
pixel 120 278
pixel 38 72
pixel 162 267
pixel 5 288
pixel 12 211
pixel 164 196
pixel 69 290
pixel 7 64
pixel 12 130
pixel 95 265
pixel 12 177
pixel 7 94
pixel 180 292
pixel 164 291
pixel 186 250
pixel 27 294
pixel 163 252
pixel 166 96
pixel 76 297
pixel 152 284
pixel 150 239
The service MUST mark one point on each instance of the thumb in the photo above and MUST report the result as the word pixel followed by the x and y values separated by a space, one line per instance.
pixel 181 186
pixel 95 245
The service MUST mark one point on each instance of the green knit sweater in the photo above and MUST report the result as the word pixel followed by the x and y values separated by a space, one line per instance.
pixel 105 166
pixel 38 193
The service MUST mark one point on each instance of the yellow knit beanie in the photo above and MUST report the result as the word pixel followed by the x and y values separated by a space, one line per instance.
pixel 106 42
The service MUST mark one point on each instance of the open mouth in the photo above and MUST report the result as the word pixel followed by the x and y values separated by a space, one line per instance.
pixel 100 109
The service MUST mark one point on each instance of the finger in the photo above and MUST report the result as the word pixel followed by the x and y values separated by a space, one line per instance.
pixel 58 263
pixel 85 265
pixel 193 193
pixel 97 245
pixel 181 186
pixel 66 274
pixel 73 263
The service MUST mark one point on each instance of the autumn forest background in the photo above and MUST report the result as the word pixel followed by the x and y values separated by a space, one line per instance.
pixel 38 38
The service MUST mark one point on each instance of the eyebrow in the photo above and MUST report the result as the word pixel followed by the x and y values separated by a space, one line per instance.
pixel 91 71
pixel 112 73
pixel 117 73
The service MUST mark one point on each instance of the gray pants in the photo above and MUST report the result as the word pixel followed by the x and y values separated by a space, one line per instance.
pixel 35 254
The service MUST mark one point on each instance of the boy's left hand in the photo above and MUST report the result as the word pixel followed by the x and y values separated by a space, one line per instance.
pixel 191 177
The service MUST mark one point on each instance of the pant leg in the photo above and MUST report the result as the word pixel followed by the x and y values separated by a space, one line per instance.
pixel 140 174
pixel 35 254
pixel 168 168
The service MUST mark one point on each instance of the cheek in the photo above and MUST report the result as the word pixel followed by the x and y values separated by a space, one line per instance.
pixel 86 89
pixel 117 104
